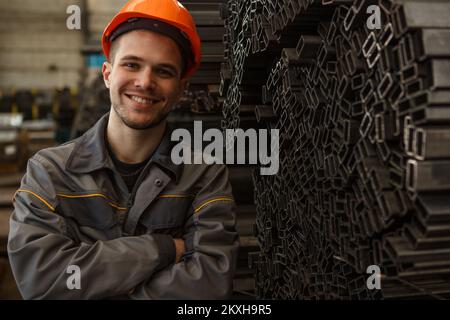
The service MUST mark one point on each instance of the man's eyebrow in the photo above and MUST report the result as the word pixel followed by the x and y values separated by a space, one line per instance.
pixel 132 57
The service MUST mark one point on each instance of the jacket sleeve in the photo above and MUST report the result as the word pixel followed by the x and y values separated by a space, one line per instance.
pixel 212 244
pixel 41 251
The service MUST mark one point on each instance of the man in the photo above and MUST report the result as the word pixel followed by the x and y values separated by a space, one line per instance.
pixel 109 214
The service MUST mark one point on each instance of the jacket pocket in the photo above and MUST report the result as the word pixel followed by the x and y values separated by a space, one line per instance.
pixel 166 215
pixel 89 211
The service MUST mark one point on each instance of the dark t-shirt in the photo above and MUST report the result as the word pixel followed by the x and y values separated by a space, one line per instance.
pixel 128 171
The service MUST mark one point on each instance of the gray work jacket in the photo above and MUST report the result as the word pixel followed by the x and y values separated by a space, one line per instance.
pixel 74 209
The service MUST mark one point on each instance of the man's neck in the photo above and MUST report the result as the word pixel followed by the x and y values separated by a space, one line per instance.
pixel 130 145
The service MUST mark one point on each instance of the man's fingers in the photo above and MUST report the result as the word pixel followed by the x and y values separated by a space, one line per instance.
pixel 180 249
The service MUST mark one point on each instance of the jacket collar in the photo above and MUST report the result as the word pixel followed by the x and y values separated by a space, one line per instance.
pixel 90 152
pixel 162 155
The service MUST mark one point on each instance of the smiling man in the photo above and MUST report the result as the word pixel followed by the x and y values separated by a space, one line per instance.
pixel 111 204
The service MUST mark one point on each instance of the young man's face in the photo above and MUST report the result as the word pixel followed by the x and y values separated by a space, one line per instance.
pixel 144 78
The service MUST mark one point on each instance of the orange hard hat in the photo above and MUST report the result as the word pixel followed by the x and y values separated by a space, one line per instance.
pixel 170 12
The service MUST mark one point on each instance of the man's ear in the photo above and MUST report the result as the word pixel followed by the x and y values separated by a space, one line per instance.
pixel 106 71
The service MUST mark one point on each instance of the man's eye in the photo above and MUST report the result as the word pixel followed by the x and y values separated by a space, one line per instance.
pixel 131 65
pixel 165 72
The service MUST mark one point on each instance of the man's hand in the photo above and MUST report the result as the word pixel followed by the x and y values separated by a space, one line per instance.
pixel 180 248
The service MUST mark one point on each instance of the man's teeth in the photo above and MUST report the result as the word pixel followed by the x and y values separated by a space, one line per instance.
pixel 142 100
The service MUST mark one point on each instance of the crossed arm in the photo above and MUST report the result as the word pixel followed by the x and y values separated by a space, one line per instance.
pixel 40 250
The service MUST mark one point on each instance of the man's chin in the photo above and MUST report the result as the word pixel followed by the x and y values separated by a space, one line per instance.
pixel 143 125
pixel 140 121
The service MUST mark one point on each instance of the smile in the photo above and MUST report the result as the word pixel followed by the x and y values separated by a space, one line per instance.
pixel 142 100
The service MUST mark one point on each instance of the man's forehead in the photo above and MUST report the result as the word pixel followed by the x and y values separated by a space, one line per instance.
pixel 143 37
pixel 136 42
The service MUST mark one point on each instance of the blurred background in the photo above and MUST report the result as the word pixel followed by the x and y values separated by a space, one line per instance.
pixel 51 91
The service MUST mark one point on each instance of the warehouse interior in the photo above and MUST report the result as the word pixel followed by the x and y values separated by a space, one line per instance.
pixel 358 89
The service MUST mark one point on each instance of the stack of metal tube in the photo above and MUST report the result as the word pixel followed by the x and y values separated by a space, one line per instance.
pixel 360 91
pixel 202 94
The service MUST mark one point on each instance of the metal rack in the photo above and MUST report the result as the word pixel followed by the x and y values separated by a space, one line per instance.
pixel 364 119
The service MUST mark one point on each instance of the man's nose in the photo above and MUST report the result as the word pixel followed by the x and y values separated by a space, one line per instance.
pixel 146 80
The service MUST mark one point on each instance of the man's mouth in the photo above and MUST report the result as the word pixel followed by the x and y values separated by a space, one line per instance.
pixel 142 100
